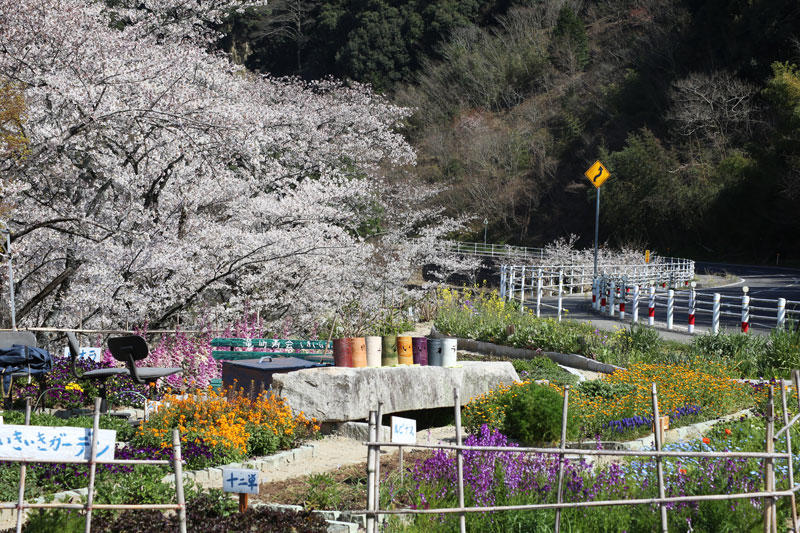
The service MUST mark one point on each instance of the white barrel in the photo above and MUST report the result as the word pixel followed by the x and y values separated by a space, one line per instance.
pixel 449 349
pixel 373 351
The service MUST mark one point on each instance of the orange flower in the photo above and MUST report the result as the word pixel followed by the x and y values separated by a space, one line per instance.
pixel 682 471
pixel 706 440
pixel 727 431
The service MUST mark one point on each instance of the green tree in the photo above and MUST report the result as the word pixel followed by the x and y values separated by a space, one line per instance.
pixel 570 43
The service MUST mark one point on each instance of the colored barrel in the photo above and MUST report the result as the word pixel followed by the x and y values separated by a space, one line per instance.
pixel 373 344
pixel 341 353
pixel 435 352
pixel 358 351
pixel 389 350
pixel 404 353
pixel 449 348
pixel 419 347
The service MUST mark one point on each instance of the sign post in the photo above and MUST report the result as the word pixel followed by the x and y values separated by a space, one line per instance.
pixel 404 431
pixel 242 481
pixel 597 174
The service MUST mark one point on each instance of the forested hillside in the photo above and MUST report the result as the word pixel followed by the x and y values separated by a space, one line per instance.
pixel 693 104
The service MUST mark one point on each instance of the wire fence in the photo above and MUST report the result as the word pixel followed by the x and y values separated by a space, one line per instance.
pixel 89 506
pixel 768 496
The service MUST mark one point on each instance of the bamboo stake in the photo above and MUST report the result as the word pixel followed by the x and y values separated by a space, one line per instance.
pixel 378 432
pixel 92 465
pixel 789 457
pixel 176 445
pixel 659 465
pixel 561 455
pixel 371 474
pixel 769 466
pixel 462 519
pixel 22 472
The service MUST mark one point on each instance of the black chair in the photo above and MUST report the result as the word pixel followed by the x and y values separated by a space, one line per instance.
pixel 128 350
pixel 25 338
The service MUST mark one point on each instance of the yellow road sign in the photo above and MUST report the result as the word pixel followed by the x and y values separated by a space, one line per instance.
pixel 597 174
pixel 647 256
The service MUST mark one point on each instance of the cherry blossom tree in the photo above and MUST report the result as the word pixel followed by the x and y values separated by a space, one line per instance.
pixel 162 178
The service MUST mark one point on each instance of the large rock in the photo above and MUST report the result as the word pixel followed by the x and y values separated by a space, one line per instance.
pixel 337 394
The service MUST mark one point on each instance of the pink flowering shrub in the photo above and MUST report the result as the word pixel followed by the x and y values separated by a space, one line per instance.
pixel 192 353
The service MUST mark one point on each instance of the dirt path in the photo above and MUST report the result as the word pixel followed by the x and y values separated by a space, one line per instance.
pixel 333 452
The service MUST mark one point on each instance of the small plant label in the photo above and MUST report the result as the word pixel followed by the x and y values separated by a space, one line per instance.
pixel 47 442
pixel 240 480
pixel 404 430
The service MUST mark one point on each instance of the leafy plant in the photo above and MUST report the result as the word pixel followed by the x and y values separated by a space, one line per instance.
pixel 534 415
pixel 321 492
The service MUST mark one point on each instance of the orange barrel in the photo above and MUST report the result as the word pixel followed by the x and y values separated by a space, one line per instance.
pixel 373 350
pixel 341 353
pixel 404 354
pixel 358 351
pixel 419 346
pixel 449 348
pixel 434 352
pixel 389 350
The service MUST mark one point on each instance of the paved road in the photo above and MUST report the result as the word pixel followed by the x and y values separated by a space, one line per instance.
pixel 763 283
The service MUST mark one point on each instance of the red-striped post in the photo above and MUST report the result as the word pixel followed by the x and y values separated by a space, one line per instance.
pixel 745 311
pixel 692 305
pixel 651 311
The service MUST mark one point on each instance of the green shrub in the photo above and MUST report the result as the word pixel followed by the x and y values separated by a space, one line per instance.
pixel 783 351
pixel 534 415
pixel 543 368
pixel 600 388
pixel 741 350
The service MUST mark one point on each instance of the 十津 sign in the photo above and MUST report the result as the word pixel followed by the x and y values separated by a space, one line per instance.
pixel 404 430
pixel 47 442
pixel 241 480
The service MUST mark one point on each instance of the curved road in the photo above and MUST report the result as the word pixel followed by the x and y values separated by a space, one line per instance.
pixel 764 282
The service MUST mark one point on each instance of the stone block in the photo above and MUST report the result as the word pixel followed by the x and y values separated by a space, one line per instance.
pixel 339 394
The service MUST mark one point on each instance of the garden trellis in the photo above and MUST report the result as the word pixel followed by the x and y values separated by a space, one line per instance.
pixel 769 495
pixel 20 505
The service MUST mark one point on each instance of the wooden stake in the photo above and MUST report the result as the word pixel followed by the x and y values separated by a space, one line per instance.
pixel 561 455
pixel 770 524
pixel 178 466
pixel 659 460
pixel 789 456
pixel 22 472
pixel 242 502
pixel 462 517
pixel 92 465
pixel 371 473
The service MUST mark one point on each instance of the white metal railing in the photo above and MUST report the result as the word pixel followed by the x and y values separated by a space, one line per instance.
pixel 615 295
pixel 530 283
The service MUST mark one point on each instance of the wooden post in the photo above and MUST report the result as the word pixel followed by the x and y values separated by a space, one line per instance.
pixel 178 466
pixel 400 464
pixel 792 501
pixel 371 473
pixel 462 519
pixel 242 502
pixel 92 465
pixel 769 465
pixel 561 455
pixel 22 471
pixel 659 464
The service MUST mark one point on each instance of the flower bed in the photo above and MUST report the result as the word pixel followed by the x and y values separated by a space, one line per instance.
pixel 619 406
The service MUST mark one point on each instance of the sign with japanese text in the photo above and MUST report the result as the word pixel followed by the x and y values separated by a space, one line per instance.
pixel 241 480
pixel 597 174
pixel 47 442
pixel 87 352
pixel 404 430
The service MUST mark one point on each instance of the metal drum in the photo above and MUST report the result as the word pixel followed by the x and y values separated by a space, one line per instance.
pixel 449 349
pixel 373 344
pixel 404 353
pixel 419 348
pixel 358 351
pixel 342 356
pixel 389 350
pixel 435 352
